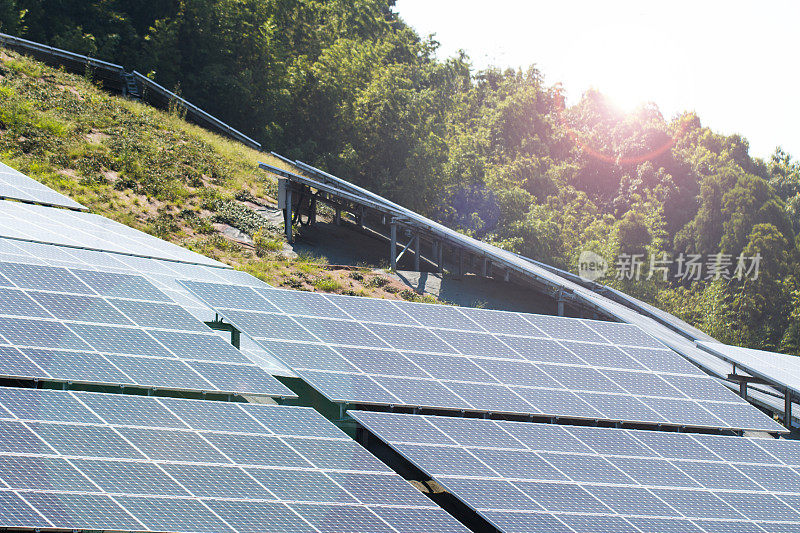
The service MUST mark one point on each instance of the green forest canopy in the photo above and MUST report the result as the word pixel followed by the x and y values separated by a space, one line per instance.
pixel 348 86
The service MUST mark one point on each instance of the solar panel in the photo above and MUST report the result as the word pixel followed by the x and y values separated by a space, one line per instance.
pixel 163 464
pixel 82 326
pixel 520 364
pixel 17 186
pixel 778 368
pixel 74 229
pixel 538 477
pixel 101 269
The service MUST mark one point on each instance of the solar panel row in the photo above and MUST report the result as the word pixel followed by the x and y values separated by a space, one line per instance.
pixel 782 369
pixel 101 461
pixel 526 477
pixel 84 230
pixel 161 273
pixel 17 186
pixel 74 325
pixel 367 351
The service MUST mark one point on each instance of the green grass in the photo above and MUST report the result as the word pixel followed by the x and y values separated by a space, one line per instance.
pixel 155 172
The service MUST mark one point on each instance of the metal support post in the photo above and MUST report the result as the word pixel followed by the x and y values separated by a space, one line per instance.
pixel 560 304
pixel 236 338
pixel 338 218
pixel 393 246
pixel 288 211
pixel 440 258
pixel 361 216
pixel 507 276
pixel 460 270
pixel 417 252
pixel 787 408
pixel 485 267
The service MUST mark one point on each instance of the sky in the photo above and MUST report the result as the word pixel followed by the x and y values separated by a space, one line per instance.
pixel 736 64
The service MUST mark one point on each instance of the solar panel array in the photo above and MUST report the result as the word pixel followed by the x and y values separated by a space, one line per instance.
pixel 99 327
pixel 84 230
pixel 368 351
pixel 89 461
pixel 17 186
pixel 525 477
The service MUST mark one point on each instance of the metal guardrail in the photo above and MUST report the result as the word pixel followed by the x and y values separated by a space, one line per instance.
pixel 163 96
pixel 113 77
pixel 110 73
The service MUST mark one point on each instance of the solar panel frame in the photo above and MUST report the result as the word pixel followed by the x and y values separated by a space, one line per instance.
pixel 107 260
pixel 778 368
pixel 45 225
pixel 15 185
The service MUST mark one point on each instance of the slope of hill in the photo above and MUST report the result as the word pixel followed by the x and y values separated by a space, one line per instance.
pixel 155 172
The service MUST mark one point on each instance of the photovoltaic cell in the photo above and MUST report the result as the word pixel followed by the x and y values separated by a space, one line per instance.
pixel 260 516
pixel 527 364
pixel 39 224
pixel 82 511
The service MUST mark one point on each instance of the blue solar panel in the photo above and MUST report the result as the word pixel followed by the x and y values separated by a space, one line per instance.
pixel 167 464
pixel 522 474
pixel 90 313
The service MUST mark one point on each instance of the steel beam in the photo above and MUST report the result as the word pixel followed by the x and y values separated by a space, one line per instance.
pixel 288 211
pixel 393 246
pixel 417 251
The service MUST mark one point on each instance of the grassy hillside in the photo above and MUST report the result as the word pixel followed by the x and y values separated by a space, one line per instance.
pixel 155 172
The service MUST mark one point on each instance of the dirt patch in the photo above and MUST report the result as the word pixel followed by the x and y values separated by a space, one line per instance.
pixel 111 175
pixel 69 173
pixel 95 137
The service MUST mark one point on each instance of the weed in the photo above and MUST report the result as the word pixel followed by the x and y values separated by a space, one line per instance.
pixel 240 217
pixel 376 282
pixel 328 284
pixel 244 196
